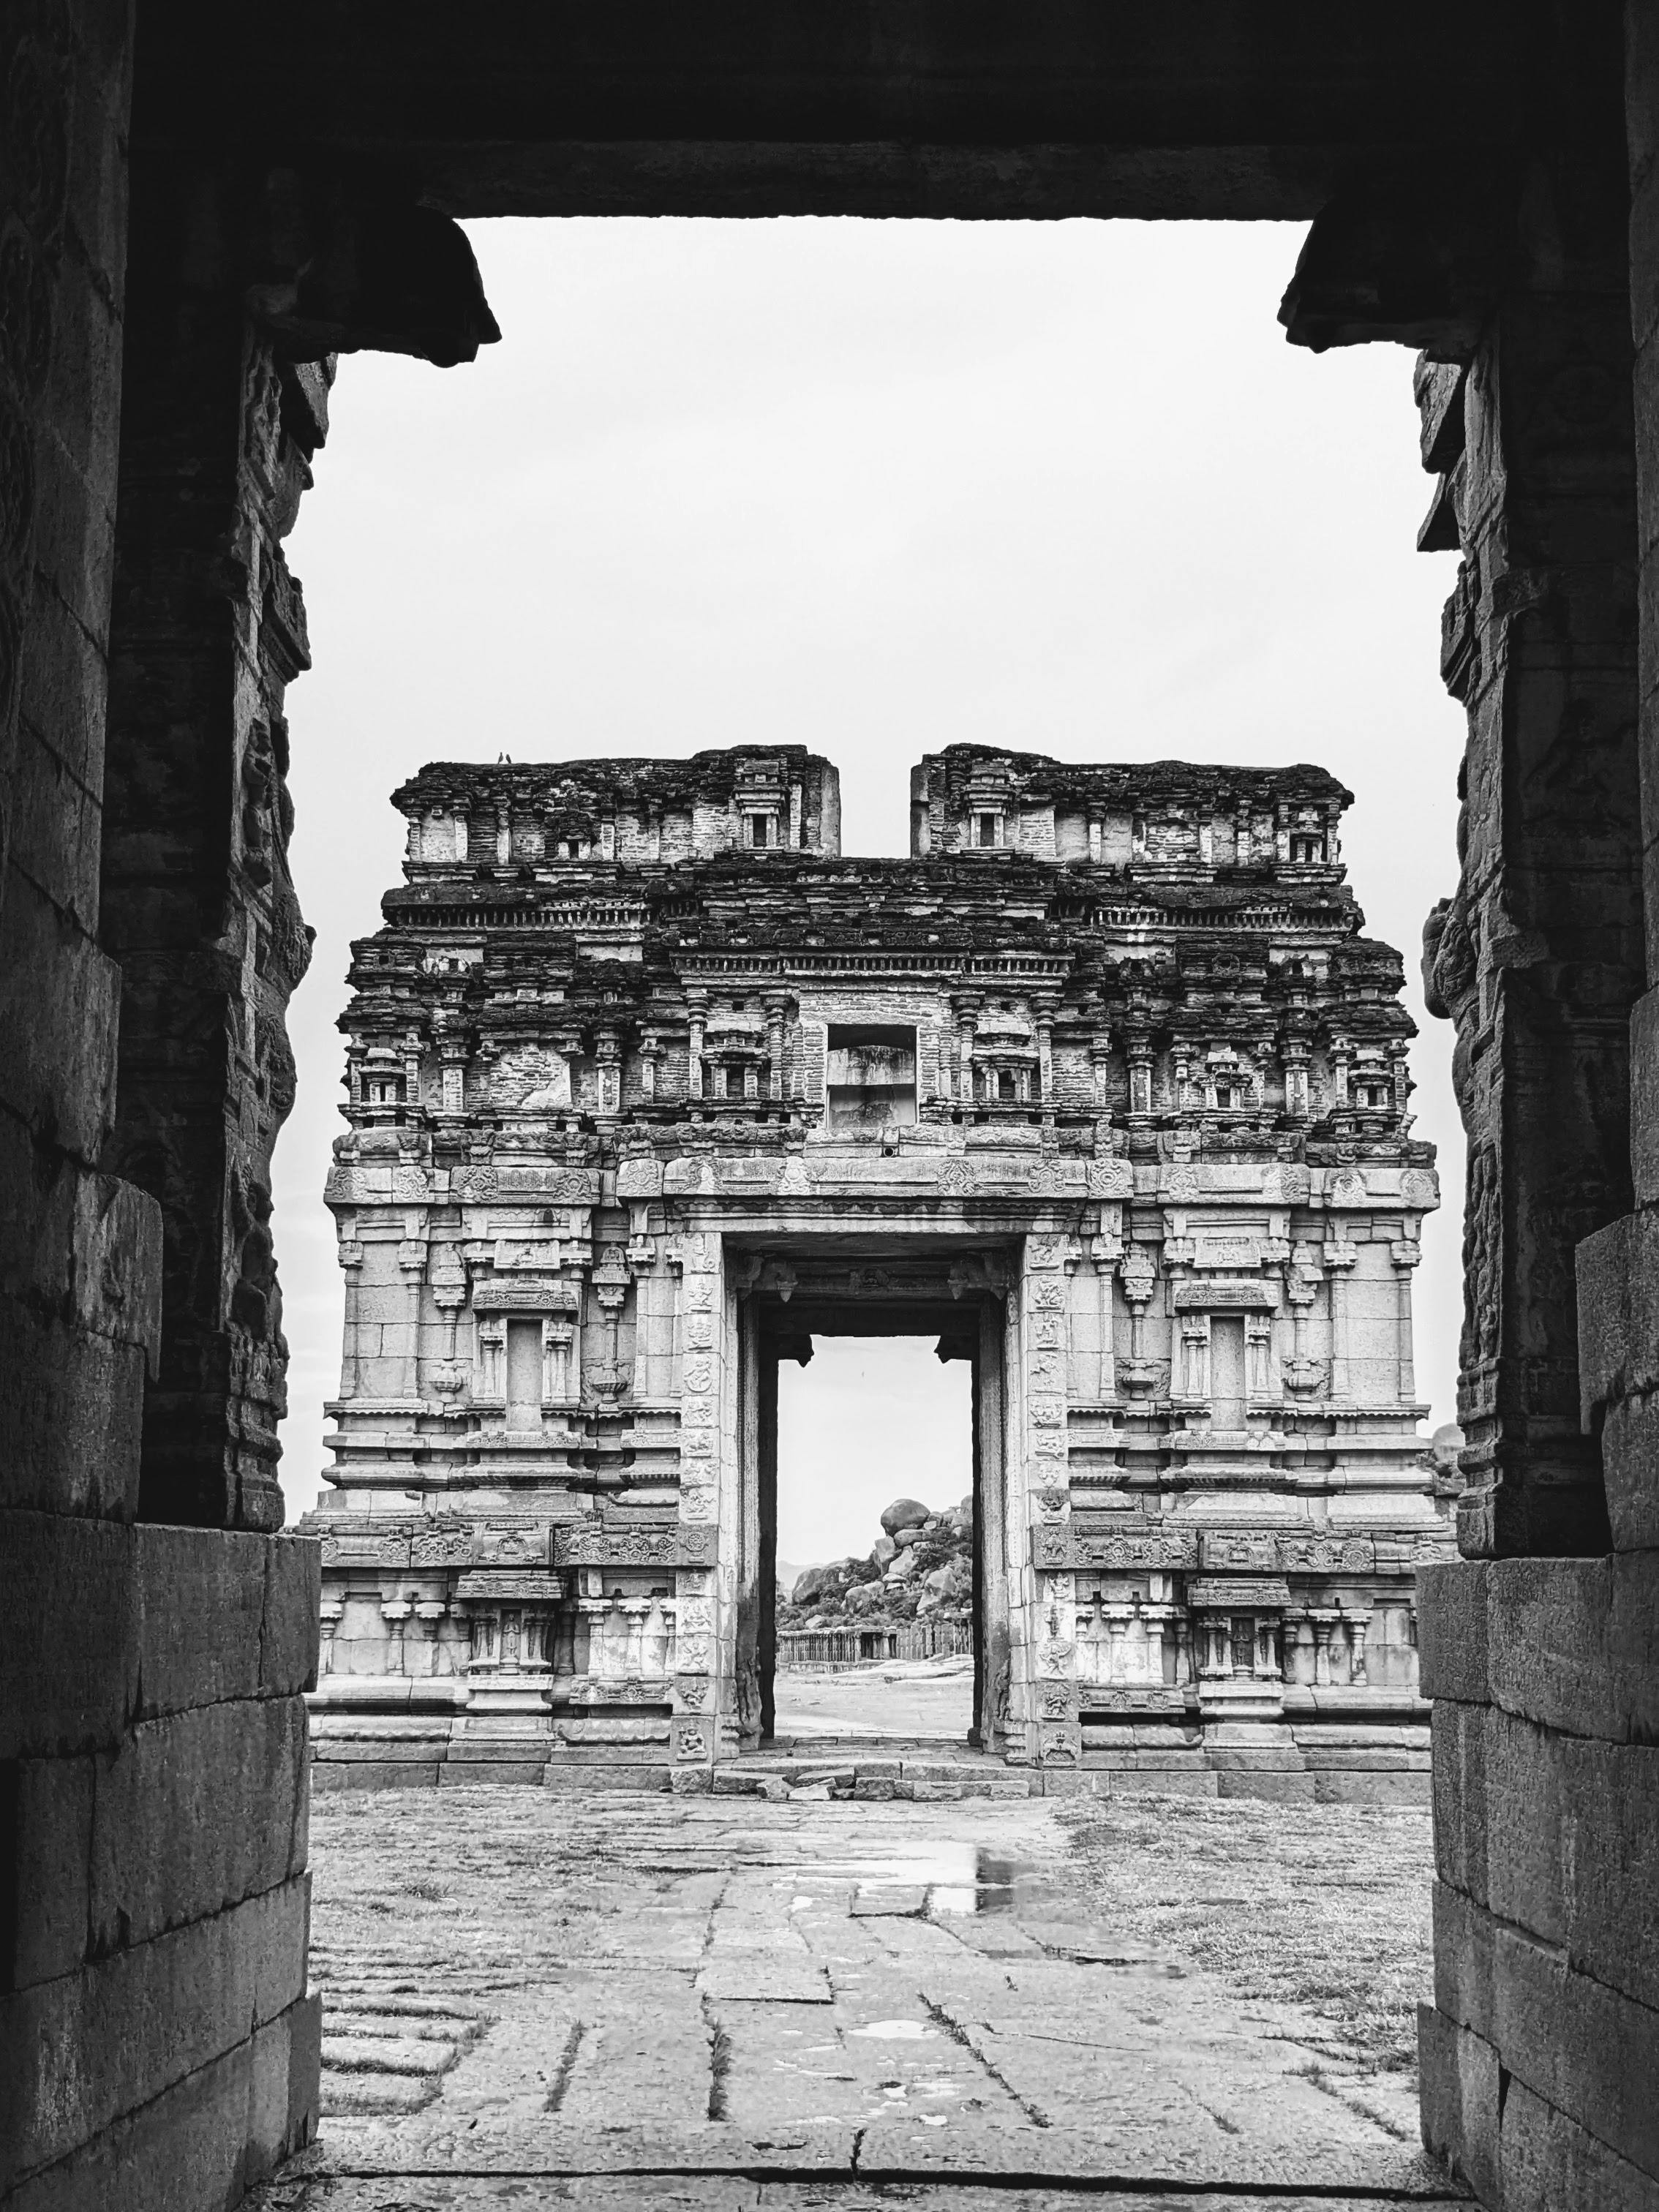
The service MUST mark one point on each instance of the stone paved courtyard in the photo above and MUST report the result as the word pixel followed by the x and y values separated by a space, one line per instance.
pixel 534 1997
pixel 927 1698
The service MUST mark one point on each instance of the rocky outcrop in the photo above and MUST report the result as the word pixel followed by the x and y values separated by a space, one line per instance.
pixel 921 1567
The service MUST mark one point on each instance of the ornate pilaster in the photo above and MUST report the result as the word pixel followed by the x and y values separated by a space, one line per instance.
pixel 1538 957
pixel 198 905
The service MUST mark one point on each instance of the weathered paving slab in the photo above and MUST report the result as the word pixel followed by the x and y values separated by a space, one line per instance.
pixel 713 2002
pixel 744 2193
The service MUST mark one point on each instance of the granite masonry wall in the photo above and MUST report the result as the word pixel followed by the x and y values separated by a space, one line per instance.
pixel 157 2043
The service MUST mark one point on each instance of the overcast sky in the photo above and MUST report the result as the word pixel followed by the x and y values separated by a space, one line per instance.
pixel 873 488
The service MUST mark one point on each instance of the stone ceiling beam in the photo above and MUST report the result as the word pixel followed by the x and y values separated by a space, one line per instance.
pixel 1049 108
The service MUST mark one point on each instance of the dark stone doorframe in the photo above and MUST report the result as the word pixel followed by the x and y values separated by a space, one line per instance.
pixel 972 1327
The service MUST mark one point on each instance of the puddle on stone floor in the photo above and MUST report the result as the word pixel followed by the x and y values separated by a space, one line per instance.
pixel 957 1877
pixel 963 1880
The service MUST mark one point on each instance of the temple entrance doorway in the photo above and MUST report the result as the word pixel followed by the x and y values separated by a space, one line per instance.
pixel 901 1580
pixel 874 1578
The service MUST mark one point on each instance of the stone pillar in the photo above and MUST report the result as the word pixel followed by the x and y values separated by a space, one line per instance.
pixel 452 1078
pixel 777 1009
pixel 1360 1623
pixel 351 1264
pixel 1405 1253
pixel 329 1614
pixel 1045 1067
pixel 1042 1648
pixel 558 1337
pixel 966 1010
pixel 705 1653
pixel 1100 1067
pixel 1138 1049
pixel 198 906
pixel 396 1612
pixel 1338 1257
pixel 411 1268
pixel 1538 957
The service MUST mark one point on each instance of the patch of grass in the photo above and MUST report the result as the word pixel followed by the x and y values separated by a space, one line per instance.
pixel 1323 1907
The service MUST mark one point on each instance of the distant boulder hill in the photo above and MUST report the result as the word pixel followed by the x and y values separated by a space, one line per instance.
pixel 920 1568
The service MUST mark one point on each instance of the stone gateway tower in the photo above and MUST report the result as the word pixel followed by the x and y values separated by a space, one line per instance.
pixel 1101 1091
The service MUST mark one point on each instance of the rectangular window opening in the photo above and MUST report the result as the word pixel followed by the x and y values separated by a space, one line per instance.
pixel 871 1076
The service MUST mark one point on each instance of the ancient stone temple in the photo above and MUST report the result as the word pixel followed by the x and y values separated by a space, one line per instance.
pixel 1101 1089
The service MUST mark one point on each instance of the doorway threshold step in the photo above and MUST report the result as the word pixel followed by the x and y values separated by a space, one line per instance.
pixel 849 1772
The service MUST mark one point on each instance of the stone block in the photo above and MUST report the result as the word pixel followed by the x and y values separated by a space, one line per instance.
pixel 1608 1843
pixel 58 830
pixel 139 2023
pixel 1645 1014
pixel 1558 1835
pixel 201 1605
pixel 186 2152
pixel 651 1780
pixel 284 2091
pixel 1274 1788
pixel 1523 1824
pixel 1463 1961
pixel 1630 1472
pixel 1387 1788
pixel 330 1774
pixel 1166 1783
pixel 1459 1795
pixel 1579 2045
pixel 1460 2089
pixel 1575 1644
pixel 287 1632
pixel 65 688
pixel 49 1812
pixel 1452 1631
pixel 84 1248
pixel 80 1296
pixel 68 1633
pixel 726 1782
pixel 194 1813
pixel 1369 1759
pixel 1617 1281
pixel 199 2145
pixel 60 999
pixel 1550 2162
pixel 72 1417
pixel 468 1773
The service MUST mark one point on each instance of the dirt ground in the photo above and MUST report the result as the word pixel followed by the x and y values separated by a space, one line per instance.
pixel 712 2001
pixel 932 1698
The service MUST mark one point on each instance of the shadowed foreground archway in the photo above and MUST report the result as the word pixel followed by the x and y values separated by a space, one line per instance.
pixel 198 210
